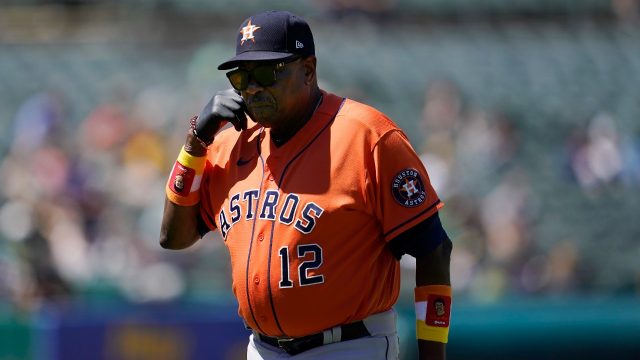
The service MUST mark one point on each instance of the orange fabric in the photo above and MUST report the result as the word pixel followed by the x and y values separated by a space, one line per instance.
pixel 306 224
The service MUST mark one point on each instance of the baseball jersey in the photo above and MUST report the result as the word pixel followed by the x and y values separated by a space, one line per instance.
pixel 306 224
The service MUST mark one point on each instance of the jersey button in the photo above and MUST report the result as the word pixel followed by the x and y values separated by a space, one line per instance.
pixel 260 237
pixel 256 280
pixel 270 178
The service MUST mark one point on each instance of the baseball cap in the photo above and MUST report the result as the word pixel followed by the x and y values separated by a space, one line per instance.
pixel 271 35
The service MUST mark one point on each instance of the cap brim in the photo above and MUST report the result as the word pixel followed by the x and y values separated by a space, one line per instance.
pixel 253 56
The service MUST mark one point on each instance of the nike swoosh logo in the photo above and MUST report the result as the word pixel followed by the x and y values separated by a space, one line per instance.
pixel 242 162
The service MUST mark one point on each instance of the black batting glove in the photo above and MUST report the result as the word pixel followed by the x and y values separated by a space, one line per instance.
pixel 226 105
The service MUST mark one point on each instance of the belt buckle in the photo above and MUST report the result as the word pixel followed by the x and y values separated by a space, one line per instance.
pixel 284 343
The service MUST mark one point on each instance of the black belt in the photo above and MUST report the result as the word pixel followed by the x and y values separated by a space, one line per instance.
pixel 295 346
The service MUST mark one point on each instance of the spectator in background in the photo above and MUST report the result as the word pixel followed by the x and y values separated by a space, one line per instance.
pixel 627 11
pixel 595 159
pixel 39 120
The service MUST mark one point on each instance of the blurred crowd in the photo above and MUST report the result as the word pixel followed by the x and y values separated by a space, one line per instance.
pixel 81 205
pixel 475 161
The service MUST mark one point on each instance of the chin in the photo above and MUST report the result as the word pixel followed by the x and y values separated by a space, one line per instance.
pixel 264 118
pixel 266 124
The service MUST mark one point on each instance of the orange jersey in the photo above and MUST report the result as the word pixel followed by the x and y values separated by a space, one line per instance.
pixel 306 224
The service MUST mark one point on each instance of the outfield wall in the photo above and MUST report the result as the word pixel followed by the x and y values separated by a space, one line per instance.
pixel 519 329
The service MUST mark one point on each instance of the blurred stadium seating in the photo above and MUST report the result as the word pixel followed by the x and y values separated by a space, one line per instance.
pixel 527 113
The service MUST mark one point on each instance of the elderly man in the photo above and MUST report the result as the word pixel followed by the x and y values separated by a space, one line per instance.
pixel 316 197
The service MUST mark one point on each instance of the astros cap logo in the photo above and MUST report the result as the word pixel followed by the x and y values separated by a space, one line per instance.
pixel 247 32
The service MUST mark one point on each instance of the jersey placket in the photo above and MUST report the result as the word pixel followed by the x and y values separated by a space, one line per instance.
pixel 259 276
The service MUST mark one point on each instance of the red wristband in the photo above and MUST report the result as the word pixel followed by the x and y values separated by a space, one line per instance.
pixel 184 182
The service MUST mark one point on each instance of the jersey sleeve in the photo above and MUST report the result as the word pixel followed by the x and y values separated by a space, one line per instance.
pixel 404 195
pixel 206 212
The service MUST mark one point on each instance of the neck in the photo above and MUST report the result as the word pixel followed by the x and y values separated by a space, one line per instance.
pixel 281 136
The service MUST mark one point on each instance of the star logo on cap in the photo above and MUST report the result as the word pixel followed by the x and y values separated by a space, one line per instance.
pixel 247 32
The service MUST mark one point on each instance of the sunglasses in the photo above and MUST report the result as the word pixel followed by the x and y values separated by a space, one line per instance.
pixel 264 75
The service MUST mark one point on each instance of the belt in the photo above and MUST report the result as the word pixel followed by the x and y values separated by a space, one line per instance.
pixel 295 346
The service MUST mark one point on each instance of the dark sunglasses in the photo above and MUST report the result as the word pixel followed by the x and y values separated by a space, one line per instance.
pixel 264 75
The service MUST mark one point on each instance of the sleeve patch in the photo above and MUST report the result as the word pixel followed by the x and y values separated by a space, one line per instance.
pixel 408 189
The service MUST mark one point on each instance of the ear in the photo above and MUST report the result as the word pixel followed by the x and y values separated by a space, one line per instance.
pixel 309 65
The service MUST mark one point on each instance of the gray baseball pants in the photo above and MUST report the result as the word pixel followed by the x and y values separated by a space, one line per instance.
pixel 382 344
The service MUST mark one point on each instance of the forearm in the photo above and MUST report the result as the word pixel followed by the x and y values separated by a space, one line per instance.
pixel 433 269
pixel 179 226
pixel 432 350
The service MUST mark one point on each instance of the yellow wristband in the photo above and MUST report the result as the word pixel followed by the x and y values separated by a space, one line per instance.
pixel 433 312
pixel 184 182
pixel 431 333
pixel 190 161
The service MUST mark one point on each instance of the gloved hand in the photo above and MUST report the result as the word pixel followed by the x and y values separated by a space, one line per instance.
pixel 225 105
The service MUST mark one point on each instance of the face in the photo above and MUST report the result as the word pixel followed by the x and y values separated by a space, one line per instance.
pixel 179 182
pixel 279 104
pixel 439 308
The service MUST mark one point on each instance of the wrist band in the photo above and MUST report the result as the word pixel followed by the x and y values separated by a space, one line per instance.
pixel 184 182
pixel 192 126
pixel 433 312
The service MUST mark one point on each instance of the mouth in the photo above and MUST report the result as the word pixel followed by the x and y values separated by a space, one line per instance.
pixel 260 101
pixel 260 98
pixel 261 109
pixel 260 104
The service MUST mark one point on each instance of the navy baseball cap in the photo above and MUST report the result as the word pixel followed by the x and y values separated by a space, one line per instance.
pixel 271 35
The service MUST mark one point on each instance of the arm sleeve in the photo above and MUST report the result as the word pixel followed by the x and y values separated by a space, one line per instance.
pixel 404 195
pixel 420 239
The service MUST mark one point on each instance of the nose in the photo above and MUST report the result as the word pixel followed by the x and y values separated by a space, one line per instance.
pixel 253 87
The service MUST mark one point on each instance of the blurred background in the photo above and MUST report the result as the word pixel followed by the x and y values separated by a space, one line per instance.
pixel 526 114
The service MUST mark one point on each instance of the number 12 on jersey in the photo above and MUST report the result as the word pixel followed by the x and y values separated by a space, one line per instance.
pixel 303 269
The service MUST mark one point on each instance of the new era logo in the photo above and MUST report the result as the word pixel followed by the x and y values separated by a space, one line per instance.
pixel 299 45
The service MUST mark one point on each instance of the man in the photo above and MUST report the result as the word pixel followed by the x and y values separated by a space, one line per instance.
pixel 316 197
